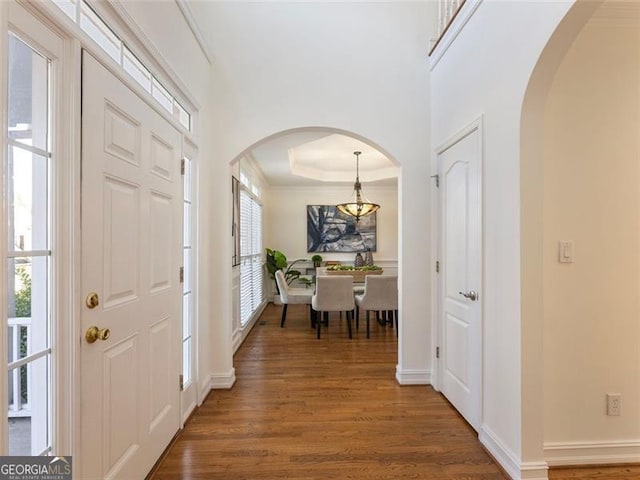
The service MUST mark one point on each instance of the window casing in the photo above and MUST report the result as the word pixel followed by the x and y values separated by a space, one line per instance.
pixel 29 285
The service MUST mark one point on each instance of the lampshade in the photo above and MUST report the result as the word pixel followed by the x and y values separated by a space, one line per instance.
pixel 360 206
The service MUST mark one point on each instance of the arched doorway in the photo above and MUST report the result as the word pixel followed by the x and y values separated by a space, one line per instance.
pixel 579 175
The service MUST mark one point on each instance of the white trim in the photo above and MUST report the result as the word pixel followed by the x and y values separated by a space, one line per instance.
pixel 195 29
pixel 592 453
pixel 464 15
pixel 4 374
pixel 413 376
pixel 509 461
pixel 222 381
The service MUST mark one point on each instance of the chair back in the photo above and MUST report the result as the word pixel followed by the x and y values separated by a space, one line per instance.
pixel 283 286
pixel 334 293
pixel 380 292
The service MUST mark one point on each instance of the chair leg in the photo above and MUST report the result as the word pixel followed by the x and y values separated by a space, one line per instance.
pixel 312 316
pixel 284 314
pixel 367 317
pixel 395 314
pixel 326 319
pixel 357 317
pixel 349 315
pixel 318 323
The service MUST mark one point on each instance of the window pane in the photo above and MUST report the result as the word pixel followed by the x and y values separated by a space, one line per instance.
pixel 28 95
pixel 187 179
pixel 100 32
pixel 27 303
pixel 187 225
pixel 186 362
pixel 134 68
pixel 187 270
pixel 183 116
pixel 28 200
pixel 163 97
pixel 29 408
pixel 186 316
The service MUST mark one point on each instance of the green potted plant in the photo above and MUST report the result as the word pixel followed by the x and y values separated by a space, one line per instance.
pixel 317 260
pixel 276 260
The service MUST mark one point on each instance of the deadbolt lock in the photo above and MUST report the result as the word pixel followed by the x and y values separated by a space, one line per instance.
pixel 92 300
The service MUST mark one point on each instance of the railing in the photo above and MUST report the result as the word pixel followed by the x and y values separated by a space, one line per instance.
pixel 447 11
pixel 18 336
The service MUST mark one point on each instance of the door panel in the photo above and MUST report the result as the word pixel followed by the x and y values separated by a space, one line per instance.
pixel 131 255
pixel 460 365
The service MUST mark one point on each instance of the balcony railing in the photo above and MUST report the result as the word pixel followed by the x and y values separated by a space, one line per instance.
pixel 447 11
pixel 18 339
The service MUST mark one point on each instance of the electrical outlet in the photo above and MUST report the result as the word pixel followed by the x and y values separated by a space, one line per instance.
pixel 613 404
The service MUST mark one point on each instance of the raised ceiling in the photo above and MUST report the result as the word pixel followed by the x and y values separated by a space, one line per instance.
pixel 321 157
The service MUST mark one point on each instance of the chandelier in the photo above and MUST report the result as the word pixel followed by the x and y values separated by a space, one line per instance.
pixel 360 206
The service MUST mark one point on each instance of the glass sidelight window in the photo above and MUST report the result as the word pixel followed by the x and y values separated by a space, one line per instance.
pixel 187 293
pixel 28 177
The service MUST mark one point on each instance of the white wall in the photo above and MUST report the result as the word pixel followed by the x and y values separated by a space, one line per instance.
pixel 591 197
pixel 286 219
pixel 492 81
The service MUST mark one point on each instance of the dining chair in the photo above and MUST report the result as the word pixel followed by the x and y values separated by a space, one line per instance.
pixel 291 295
pixel 380 294
pixel 333 294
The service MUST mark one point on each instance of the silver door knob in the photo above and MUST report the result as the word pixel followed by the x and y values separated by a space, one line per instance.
pixel 471 295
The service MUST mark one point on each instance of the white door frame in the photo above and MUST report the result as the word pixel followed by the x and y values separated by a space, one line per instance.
pixel 437 292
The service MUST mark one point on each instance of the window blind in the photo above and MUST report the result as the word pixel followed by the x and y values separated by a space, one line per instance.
pixel 251 272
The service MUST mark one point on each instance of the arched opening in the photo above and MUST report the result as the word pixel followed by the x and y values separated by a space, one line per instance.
pixel 580 192
pixel 285 197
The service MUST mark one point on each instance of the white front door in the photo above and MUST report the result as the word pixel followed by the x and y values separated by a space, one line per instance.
pixel 459 164
pixel 131 256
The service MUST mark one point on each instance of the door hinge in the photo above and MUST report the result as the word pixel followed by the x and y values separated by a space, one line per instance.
pixel 181 382
pixel 181 274
pixel 182 166
pixel 437 177
pixel 437 352
pixel 437 266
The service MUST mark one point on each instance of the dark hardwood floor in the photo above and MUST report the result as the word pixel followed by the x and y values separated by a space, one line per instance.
pixel 305 409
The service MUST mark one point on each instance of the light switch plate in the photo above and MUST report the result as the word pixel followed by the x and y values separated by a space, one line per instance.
pixel 565 251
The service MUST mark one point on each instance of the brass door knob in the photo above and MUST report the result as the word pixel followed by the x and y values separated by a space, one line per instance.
pixel 94 333
pixel 92 300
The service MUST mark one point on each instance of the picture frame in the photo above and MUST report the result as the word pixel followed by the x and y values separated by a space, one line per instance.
pixel 329 230
pixel 235 220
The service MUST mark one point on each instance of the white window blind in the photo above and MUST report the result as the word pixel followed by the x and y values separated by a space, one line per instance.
pixel 251 276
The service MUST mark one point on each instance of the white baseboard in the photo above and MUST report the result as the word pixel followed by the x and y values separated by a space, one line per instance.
pixel 223 381
pixel 592 453
pixel 509 461
pixel 413 377
pixel 205 388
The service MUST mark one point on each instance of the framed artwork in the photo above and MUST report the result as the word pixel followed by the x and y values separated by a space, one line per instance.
pixel 235 221
pixel 329 230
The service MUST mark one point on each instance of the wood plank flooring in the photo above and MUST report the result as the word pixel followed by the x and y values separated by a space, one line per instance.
pixel 307 409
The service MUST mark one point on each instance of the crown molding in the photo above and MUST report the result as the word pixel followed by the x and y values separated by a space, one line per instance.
pixel 184 7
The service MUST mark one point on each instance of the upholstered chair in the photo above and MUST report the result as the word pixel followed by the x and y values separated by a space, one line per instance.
pixel 380 295
pixel 334 293
pixel 290 295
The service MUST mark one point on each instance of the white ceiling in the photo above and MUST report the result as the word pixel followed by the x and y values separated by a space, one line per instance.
pixel 304 51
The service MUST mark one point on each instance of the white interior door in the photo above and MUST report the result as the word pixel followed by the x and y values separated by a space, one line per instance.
pixel 131 255
pixel 460 356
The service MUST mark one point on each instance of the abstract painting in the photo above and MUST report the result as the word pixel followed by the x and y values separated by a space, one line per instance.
pixel 329 230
